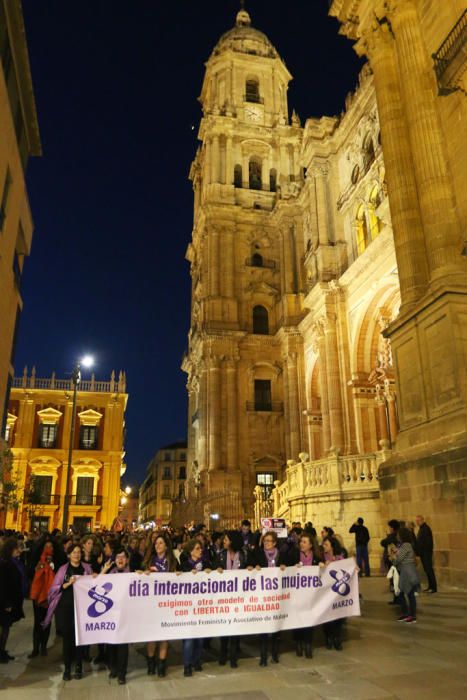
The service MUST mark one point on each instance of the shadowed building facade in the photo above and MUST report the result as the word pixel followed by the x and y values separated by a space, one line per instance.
pixel 19 139
pixel 308 363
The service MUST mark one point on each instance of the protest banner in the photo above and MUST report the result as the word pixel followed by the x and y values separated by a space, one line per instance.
pixel 277 525
pixel 122 608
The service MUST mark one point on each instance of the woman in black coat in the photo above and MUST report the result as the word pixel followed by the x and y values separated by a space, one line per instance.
pixel 265 556
pixel 232 557
pixel 11 594
pixel 306 554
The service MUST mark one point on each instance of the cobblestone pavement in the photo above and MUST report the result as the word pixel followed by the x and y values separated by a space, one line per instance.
pixel 381 659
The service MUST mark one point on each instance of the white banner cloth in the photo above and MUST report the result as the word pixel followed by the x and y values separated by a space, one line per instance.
pixel 123 608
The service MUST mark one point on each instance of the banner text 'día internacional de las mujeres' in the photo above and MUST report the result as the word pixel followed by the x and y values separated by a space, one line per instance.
pixel 134 607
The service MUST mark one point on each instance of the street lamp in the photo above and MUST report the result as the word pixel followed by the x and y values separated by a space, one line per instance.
pixel 128 490
pixel 87 361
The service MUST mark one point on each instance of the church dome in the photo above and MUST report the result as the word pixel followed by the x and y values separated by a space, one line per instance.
pixel 244 38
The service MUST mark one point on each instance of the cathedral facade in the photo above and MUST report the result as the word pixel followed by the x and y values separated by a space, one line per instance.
pixel 299 278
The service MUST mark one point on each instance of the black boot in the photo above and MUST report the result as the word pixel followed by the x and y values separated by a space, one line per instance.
pixel 162 668
pixel 234 647
pixel 275 650
pixel 187 671
pixel 337 644
pixel 263 660
pixel 79 671
pixel 34 653
pixel 67 673
pixel 308 651
pixel 223 652
pixel 151 665
pixel 299 648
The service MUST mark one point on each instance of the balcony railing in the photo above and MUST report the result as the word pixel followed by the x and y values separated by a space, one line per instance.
pixel 33 382
pixel 253 98
pixel 43 499
pixel 84 500
pixel 271 264
pixel 271 407
pixel 451 57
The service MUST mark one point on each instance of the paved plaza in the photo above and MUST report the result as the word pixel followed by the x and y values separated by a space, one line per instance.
pixel 381 659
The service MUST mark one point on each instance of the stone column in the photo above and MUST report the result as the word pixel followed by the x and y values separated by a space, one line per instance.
pixel 228 255
pixel 293 404
pixel 333 383
pixel 232 430
pixel 382 416
pixel 402 189
pixel 201 454
pixel 215 159
pixel 321 172
pixel 229 168
pixel 208 161
pixel 434 184
pixel 214 399
pixel 214 261
pixel 326 428
pixel 392 415
pixel 287 263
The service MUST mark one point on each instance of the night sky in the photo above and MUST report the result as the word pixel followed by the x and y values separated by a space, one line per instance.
pixel 116 85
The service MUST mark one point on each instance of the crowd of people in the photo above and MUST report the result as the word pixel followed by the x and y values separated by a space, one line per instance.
pixel 44 567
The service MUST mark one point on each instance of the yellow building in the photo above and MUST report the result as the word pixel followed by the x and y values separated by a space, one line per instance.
pixel 19 139
pixel 38 433
pixel 164 484
pixel 327 344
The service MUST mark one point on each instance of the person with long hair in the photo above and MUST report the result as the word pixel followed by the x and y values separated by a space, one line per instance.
pixel 192 648
pixel 267 555
pixel 409 581
pixel 232 557
pixel 92 552
pixel 11 594
pixel 306 554
pixel 44 563
pixel 159 559
pixel 332 551
pixel 61 604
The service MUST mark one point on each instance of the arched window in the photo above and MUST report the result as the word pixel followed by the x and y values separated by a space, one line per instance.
pixel 368 152
pixel 238 182
pixel 260 320
pixel 252 90
pixel 361 229
pixel 254 174
pixel 273 180
pixel 257 260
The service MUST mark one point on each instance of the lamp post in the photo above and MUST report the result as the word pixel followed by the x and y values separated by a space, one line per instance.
pixel 87 361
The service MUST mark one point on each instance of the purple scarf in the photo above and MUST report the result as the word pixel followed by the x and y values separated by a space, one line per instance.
pixel 55 592
pixel 306 559
pixel 271 555
pixel 159 565
pixel 198 564
pixel 233 563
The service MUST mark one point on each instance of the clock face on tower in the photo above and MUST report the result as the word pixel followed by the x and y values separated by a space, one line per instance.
pixel 252 114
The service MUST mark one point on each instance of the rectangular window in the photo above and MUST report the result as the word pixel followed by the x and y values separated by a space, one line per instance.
pixel 263 400
pixel 40 523
pixel 4 200
pixel 166 491
pixel 182 456
pixel 167 457
pixel 182 473
pixel 266 481
pixel 84 490
pixel 42 489
pixel 88 437
pixel 167 474
pixel 47 435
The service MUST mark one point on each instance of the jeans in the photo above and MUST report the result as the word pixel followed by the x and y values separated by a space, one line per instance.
pixel 411 608
pixel 362 558
pixel 192 649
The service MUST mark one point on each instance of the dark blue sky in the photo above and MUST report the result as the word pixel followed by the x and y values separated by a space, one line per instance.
pixel 116 85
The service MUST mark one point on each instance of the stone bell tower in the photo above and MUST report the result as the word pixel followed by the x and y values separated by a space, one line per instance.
pixel 244 358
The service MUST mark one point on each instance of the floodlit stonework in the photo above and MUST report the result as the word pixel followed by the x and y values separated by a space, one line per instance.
pixel 38 434
pixel 327 349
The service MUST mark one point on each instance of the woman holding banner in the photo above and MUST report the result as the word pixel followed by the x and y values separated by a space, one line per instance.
pixel 265 556
pixel 159 559
pixel 192 648
pixel 306 554
pixel 231 557
pixel 332 551
pixel 61 602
